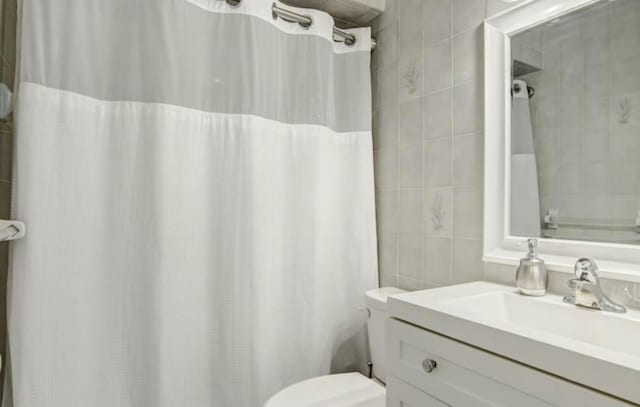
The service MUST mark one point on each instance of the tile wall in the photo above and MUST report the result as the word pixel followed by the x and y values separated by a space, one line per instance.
pixel 428 141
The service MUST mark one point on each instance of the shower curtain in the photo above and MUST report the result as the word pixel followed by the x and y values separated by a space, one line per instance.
pixel 525 197
pixel 197 184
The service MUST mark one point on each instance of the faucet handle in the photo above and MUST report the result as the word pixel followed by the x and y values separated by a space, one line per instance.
pixel 581 285
pixel 586 270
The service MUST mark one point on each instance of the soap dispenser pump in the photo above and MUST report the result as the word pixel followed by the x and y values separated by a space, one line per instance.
pixel 531 277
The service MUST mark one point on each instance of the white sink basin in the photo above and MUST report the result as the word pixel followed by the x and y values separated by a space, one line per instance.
pixel 606 330
pixel 594 348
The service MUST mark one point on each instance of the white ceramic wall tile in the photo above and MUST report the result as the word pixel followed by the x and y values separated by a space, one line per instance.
pixel 438 212
pixel 623 206
pixel 500 273
pixel 390 14
pixel 498 6
pixel 626 177
pixel 548 180
pixel 388 280
pixel 569 146
pixel 468 160
pixel 410 248
pixel 438 167
pixel 410 81
pixel 467 112
pixel 558 283
pixel 438 73
pixel 385 133
pixel 386 169
pixel 467 14
pixel 595 146
pixel 436 20
pixel 467 56
pixel 438 114
pixel 410 165
pixel 620 291
pixel 546 150
pixel 437 260
pixel 467 261
pixel 626 15
pixel 388 258
pixel 410 26
pixel 387 87
pixel 625 143
pixel 387 211
pixel 410 122
pixel 467 212
pixel 596 177
pixel 596 114
pixel 411 211
pixel 386 52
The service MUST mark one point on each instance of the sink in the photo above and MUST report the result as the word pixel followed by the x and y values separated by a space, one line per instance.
pixel 594 348
pixel 609 331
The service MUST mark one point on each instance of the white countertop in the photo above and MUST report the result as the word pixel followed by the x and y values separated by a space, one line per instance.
pixel 593 348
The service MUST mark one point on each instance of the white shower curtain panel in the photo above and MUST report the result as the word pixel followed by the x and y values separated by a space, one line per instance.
pixel 525 195
pixel 197 184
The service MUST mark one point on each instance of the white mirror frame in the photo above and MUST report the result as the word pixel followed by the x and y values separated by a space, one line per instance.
pixel 616 261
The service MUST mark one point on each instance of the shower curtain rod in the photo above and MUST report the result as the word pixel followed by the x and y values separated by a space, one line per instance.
pixel 306 21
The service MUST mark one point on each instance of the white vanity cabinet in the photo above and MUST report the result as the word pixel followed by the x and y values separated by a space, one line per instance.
pixel 428 369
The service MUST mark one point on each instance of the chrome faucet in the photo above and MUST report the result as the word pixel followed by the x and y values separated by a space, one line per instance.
pixel 587 289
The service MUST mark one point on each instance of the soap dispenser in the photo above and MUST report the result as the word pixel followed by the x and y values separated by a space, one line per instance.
pixel 531 277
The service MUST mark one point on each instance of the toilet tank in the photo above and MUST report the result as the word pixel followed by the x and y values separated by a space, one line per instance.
pixel 376 301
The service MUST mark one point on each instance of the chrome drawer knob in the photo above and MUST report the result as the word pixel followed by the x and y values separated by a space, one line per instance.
pixel 428 365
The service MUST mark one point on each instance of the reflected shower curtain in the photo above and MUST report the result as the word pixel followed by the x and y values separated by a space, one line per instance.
pixel 197 184
pixel 525 197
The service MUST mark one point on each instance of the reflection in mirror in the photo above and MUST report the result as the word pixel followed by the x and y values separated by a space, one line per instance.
pixel 575 126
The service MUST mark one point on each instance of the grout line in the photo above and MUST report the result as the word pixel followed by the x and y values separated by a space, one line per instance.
pixel 396 21
pixel 423 218
pixel 451 203
pixel 438 90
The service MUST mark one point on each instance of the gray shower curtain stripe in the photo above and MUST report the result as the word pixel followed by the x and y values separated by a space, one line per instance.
pixel 211 61
pixel 197 183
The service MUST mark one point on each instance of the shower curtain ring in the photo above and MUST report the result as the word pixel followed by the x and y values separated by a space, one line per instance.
pixel 531 91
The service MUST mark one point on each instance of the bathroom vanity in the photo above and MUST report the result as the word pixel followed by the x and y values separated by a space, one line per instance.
pixel 484 344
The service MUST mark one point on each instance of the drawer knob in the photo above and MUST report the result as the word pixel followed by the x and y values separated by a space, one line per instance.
pixel 428 365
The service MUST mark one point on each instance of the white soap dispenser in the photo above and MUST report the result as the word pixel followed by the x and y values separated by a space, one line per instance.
pixel 531 277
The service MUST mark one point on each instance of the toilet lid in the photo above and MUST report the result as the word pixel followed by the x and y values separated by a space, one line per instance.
pixel 338 390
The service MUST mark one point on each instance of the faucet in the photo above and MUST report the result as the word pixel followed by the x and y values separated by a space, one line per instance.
pixel 587 289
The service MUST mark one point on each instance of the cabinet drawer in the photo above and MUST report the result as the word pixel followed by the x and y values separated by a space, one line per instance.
pixel 467 376
pixel 400 394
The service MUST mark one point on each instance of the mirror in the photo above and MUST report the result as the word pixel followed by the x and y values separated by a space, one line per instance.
pixel 575 126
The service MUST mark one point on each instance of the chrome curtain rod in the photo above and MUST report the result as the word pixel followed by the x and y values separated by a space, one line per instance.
pixel 306 21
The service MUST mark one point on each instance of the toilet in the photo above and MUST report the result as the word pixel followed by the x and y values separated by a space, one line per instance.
pixel 348 389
